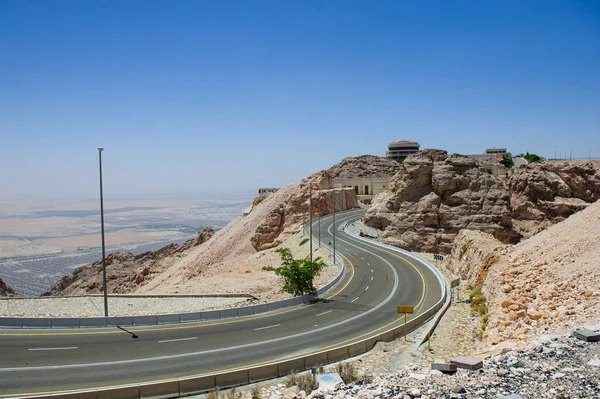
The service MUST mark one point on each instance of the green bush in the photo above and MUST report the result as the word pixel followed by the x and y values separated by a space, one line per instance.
pixel 304 241
pixel 298 274
pixel 532 157
pixel 507 162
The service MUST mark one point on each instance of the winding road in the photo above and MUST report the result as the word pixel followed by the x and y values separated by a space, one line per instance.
pixel 363 304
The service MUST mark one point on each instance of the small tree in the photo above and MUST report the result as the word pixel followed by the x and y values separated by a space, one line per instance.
pixel 298 274
pixel 507 162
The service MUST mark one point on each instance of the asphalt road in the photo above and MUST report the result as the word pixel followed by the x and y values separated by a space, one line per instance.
pixel 42 361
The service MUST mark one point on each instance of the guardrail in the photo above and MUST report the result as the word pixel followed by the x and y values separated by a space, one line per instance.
pixel 150 320
pixel 207 382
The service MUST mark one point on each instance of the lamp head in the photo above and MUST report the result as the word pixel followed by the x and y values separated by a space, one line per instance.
pixel 100 149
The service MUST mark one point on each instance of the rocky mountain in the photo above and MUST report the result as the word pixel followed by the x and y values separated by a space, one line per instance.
pixel 293 210
pixel 364 166
pixel 547 283
pixel 125 271
pixel 434 196
pixel 5 289
pixel 545 193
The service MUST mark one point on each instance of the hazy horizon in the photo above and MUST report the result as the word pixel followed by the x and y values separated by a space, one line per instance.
pixel 218 97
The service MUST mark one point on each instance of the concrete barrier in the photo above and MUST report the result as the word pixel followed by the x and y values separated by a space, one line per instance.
pixel 130 392
pixel 337 355
pixel 66 322
pixel 168 319
pixel 211 315
pixel 245 311
pixel 318 359
pixel 227 313
pixel 145 320
pixel 263 373
pixel 119 321
pixel 74 395
pixel 92 322
pixel 29 322
pixel 187 317
pixel 357 349
pixel 285 367
pixel 192 386
pixel 232 379
pixel 160 390
pixel 260 308
pixel 11 322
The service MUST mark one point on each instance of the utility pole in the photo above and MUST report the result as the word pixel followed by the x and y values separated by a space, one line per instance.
pixel 554 154
pixel 334 198
pixel 319 221
pixel 570 155
pixel 590 154
pixel 100 149
pixel 310 210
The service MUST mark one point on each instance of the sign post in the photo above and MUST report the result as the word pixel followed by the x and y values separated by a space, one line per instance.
pixel 406 310
pixel 456 283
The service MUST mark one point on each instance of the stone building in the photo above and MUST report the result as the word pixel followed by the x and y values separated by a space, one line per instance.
pixel 399 150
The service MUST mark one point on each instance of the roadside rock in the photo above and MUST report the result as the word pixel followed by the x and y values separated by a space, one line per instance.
pixel 364 166
pixel 5 289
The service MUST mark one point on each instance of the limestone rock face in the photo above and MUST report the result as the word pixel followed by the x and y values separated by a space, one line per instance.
pixel 545 193
pixel 364 166
pixel 290 214
pixel 5 289
pixel 473 253
pixel 435 195
pixel 125 271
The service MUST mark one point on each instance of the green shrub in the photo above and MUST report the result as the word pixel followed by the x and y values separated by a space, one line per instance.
pixel 304 241
pixel 298 274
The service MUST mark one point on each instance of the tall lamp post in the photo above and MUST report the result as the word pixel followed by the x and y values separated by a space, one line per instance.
pixel 335 197
pixel 102 227
pixel 311 217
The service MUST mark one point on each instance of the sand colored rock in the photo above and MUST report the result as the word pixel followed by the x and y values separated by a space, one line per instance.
pixel 548 283
pixel 434 196
pixel 293 208
pixel 364 166
pixel 5 289
pixel 125 271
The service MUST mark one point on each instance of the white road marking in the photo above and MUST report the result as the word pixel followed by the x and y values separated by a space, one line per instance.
pixel 264 328
pixel 321 314
pixel 371 270
pixel 176 340
pixel 362 258
pixel 53 349
pixel 367 288
pixel 368 264
pixel 355 299
pixel 371 278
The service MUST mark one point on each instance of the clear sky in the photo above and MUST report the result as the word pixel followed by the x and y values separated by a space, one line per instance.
pixel 189 96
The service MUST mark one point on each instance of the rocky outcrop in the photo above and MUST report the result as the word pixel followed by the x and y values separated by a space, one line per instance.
pixel 435 195
pixel 291 213
pixel 473 253
pixel 5 289
pixel 545 193
pixel 125 271
pixel 364 166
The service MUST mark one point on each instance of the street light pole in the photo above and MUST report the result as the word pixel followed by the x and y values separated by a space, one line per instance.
pixel 310 210
pixel 103 245
pixel 335 195
pixel 319 210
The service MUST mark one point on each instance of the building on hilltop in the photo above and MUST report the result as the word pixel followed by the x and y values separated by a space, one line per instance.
pixel 399 150
pixel 364 187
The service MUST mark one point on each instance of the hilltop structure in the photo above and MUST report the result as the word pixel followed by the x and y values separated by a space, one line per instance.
pixel 399 150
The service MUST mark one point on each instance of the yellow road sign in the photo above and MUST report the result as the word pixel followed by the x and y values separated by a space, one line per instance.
pixel 405 309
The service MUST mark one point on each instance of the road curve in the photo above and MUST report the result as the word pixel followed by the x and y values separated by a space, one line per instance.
pixel 364 304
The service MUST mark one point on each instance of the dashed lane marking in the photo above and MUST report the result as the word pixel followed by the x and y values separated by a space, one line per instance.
pixel 321 314
pixel 177 339
pixel 54 349
pixel 264 328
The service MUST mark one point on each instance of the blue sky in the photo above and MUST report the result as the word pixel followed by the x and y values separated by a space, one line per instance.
pixel 193 96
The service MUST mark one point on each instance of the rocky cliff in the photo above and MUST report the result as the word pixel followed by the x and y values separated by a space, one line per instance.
pixel 293 211
pixel 5 289
pixel 125 271
pixel 545 193
pixel 364 166
pixel 435 195
pixel 547 283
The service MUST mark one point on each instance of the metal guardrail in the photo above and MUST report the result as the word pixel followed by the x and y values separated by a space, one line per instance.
pixel 204 383
pixel 150 320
